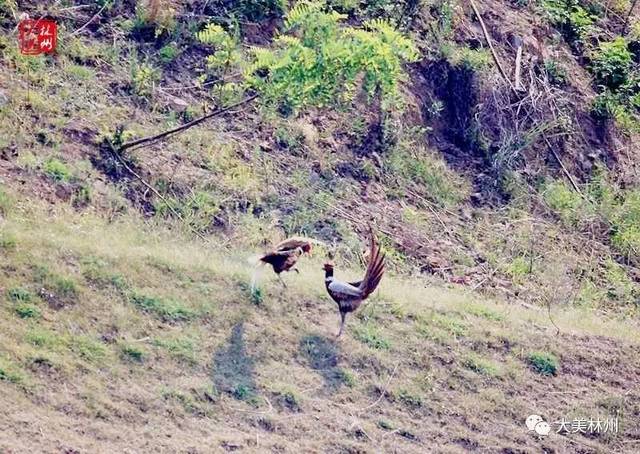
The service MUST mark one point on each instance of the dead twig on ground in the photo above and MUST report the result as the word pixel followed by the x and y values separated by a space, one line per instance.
pixel 191 124
pixel 95 16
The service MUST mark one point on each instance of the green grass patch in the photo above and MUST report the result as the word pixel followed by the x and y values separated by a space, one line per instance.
pixel 5 203
pixel 347 377
pixel 481 365
pixel 182 349
pixel 166 310
pixel 10 372
pixel 27 310
pixel 484 312
pixel 410 398
pixel 43 338
pixel 131 352
pixel 57 170
pixel 7 241
pixel 369 335
pixel 543 363
pixel 19 295
pixel 427 175
pixel 88 349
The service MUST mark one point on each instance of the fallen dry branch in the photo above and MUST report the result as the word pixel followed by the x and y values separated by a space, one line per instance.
pixel 184 127
pixel 490 43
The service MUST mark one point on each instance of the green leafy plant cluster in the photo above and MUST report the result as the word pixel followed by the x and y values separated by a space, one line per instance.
pixel 320 62
pixel 612 63
pixel 603 203
pixel 144 77
pixel 571 17
pixel 615 73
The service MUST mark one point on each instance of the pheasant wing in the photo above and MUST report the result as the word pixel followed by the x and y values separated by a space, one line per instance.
pixel 344 291
pixel 293 243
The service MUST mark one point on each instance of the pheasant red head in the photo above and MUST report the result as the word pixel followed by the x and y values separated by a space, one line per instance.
pixel 307 248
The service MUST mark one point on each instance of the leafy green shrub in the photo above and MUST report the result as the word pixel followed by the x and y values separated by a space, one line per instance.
pixel 226 54
pixel 611 63
pixel 143 79
pixel 556 74
pixel 573 20
pixel 320 62
pixel 566 202
pixel 168 53
pixel 260 9
pixel 57 170
pixel 543 363
pixel 25 310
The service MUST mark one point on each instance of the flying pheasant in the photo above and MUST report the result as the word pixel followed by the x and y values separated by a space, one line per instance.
pixel 285 255
pixel 349 295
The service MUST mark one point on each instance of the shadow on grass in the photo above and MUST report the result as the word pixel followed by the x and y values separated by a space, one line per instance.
pixel 233 369
pixel 322 355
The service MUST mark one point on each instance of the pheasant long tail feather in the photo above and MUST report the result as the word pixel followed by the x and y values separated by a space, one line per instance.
pixel 375 269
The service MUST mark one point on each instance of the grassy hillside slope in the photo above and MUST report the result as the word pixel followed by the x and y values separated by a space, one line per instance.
pixel 119 337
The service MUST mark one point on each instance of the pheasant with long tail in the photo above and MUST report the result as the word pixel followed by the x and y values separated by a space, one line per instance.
pixel 349 295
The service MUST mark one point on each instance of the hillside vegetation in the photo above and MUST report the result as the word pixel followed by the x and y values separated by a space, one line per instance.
pixel 509 208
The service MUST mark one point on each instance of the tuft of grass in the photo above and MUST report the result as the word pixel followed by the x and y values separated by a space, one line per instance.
pixel 543 363
pixel 290 399
pixel 187 401
pixel 428 175
pixel 19 295
pixel 410 398
pixel 43 338
pixel 369 335
pixel 245 394
pixel 168 53
pixel 57 170
pixel 347 377
pixel 130 352
pixel 5 202
pixel 166 310
pixel 64 288
pixel 481 365
pixel 182 349
pixel 26 310
pixel 88 349
pixel 485 312
pixel 7 241
pixel 10 372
